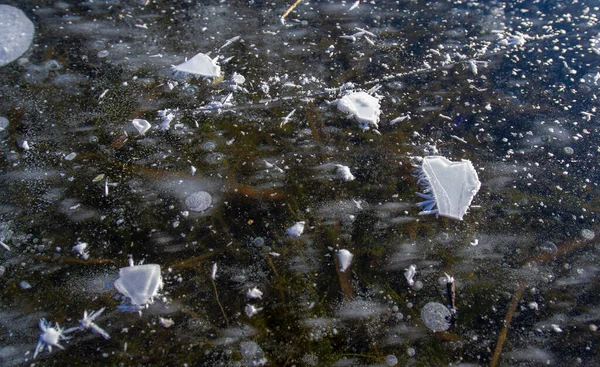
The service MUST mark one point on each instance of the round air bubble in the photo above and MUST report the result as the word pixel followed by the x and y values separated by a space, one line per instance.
pixel 209 146
pixel 391 360
pixel 411 352
pixel 436 316
pixel 17 33
pixel 198 201
pixel 3 123
pixel 568 150
pixel 588 234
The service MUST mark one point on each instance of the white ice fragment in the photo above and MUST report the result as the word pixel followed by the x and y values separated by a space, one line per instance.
pixel 287 118
pixel 409 274
pixel 192 170
pixel 448 185
pixel 5 246
pixel 199 201
pixel 251 310
pixel 70 156
pixel 345 258
pixel 140 283
pixel 213 272
pixel 81 249
pixel 296 230
pixel 238 78
pixel 3 123
pixel 17 33
pixel 25 145
pixel 166 323
pixel 254 293
pixel 475 242
pixel 141 126
pixel 167 116
pixel 344 172
pixel 88 323
pixel 24 284
pixel 355 5
pixel 199 65
pixel 399 119
pixel 50 336
pixel 362 106
pixel 556 328
pixel 229 42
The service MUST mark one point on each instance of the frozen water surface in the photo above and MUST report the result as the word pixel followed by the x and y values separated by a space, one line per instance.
pixel 287 180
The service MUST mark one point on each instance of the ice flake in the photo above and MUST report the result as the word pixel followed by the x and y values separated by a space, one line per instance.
pixel 141 125
pixel 251 310
pixel 140 283
pixel 87 322
pixel 254 293
pixel 409 274
pixel 362 106
pixel 296 230
pixel 50 337
pixel 199 65
pixel 213 272
pixel 81 249
pixel 287 118
pixel 345 259
pixel 344 172
pixel 448 185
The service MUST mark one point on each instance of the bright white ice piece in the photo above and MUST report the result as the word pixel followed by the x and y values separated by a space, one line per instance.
pixel 199 65
pixel 296 230
pixel 88 323
pixel 355 5
pixel 81 249
pixel 448 185
pixel 17 33
pixel 141 126
pixel 254 293
pixel 251 310
pixel 5 246
pixel 287 118
pixel 363 107
pixel 345 258
pixel 50 337
pixel 344 173
pixel 213 272
pixel 166 323
pixel 141 283
pixel 198 201
pixel 409 274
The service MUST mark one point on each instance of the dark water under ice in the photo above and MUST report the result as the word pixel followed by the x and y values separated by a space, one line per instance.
pixel 511 86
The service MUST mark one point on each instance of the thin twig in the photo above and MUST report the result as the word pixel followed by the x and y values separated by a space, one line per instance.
pixel 507 320
pixel 219 302
pixel 289 11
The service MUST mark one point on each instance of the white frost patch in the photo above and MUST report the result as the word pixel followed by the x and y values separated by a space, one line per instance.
pixel 345 258
pixel 199 65
pixel 344 173
pixel 362 106
pixel 409 274
pixel 296 230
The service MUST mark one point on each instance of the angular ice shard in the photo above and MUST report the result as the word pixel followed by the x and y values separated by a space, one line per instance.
pixel 17 33
pixel 141 283
pixel 362 106
pixel 296 230
pixel 199 65
pixel 345 258
pixel 141 125
pixel 344 173
pixel 448 185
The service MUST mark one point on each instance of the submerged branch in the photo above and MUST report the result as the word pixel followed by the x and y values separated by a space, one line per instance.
pixel 507 320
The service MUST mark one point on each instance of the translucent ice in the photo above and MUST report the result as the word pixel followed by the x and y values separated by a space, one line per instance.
pixel 296 230
pixel 198 201
pixel 141 125
pixel 436 316
pixel 17 33
pixel 199 65
pixel 345 258
pixel 362 106
pixel 141 283
pixel 450 186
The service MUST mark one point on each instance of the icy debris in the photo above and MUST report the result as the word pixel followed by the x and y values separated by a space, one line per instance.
pixel 24 284
pixel 287 118
pixel 140 283
pixel 199 65
pixel 410 273
pixel 400 119
pixel 199 201
pixel 252 354
pixel 230 41
pixel 81 249
pixel 141 125
pixel 344 173
pixel 192 170
pixel 213 272
pixel 70 156
pixel 17 33
pixel 448 185
pixel 87 322
pixel 254 293
pixel 25 145
pixel 166 323
pixel 50 336
pixel 345 258
pixel 296 230
pixel 6 247
pixel 436 316
pixel 251 310
pixel 354 5
pixel 166 115
pixel 363 107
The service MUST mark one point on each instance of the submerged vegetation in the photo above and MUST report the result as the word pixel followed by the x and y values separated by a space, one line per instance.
pixel 275 230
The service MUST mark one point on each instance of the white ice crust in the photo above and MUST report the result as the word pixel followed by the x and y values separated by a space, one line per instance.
pixel 363 107
pixel 199 65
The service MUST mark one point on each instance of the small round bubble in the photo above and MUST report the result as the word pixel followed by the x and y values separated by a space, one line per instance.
pixel 102 54
pixel 198 201
pixel 436 316
pixel 418 285
pixel 568 150
pixel 588 234
pixel 391 360
pixel 209 146
pixel 411 352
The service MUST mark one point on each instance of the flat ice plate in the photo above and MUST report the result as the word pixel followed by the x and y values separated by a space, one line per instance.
pixel 453 184
pixel 201 65
pixel 140 283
